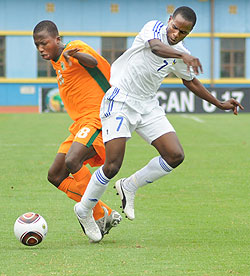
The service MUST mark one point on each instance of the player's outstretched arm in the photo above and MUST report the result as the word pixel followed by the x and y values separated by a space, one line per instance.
pixel 83 58
pixel 199 90
pixel 162 50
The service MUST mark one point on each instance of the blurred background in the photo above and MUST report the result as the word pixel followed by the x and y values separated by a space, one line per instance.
pixel 221 40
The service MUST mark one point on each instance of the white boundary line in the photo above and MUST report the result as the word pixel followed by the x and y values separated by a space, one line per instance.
pixel 192 117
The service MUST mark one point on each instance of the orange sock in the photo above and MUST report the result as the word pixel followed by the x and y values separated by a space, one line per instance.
pixel 75 187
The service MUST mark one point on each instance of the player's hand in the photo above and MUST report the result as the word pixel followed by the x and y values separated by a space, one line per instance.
pixel 70 53
pixel 231 104
pixel 193 62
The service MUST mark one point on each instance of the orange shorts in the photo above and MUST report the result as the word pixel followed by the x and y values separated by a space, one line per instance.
pixel 88 135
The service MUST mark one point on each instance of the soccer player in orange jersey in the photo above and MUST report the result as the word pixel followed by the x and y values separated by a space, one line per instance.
pixel 83 78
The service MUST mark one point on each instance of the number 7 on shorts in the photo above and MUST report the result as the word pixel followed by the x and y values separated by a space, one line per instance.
pixel 120 119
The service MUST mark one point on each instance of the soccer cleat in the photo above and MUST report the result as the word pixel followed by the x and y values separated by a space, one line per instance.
pixel 89 227
pixel 127 199
pixel 108 221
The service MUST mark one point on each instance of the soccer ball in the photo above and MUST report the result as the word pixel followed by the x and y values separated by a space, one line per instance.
pixel 30 229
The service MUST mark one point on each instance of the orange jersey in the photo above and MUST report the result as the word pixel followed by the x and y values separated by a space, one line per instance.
pixel 82 88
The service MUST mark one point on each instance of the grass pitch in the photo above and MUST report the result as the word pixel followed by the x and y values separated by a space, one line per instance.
pixel 195 221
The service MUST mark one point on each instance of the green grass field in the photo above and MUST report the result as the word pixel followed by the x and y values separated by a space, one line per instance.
pixel 195 221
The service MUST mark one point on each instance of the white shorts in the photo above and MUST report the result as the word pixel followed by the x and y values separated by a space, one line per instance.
pixel 121 121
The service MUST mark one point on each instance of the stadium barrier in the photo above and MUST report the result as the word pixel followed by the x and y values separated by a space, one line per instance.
pixel 173 100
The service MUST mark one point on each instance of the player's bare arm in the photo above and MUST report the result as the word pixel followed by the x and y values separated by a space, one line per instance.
pixel 162 50
pixel 83 58
pixel 199 90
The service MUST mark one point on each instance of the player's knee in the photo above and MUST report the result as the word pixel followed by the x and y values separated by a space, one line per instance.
pixel 53 179
pixel 180 158
pixel 111 169
pixel 175 159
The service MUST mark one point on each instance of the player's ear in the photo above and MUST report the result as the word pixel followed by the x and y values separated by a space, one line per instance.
pixel 58 39
pixel 170 18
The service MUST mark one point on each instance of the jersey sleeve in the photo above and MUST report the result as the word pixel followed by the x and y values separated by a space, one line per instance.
pixel 180 68
pixel 181 71
pixel 151 30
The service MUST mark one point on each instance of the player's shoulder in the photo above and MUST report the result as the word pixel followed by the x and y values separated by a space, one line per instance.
pixel 76 44
pixel 153 24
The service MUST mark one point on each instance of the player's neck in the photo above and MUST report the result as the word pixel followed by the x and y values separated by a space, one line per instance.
pixel 60 50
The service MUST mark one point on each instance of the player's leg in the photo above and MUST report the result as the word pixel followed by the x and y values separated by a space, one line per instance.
pixel 77 155
pixel 58 173
pixel 115 130
pixel 170 149
pixel 156 130
pixel 74 186
pixel 171 155
pixel 88 148
pixel 115 150
pixel 97 186
pixel 111 166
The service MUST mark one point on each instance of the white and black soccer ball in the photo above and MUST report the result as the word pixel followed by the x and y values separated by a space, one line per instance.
pixel 30 229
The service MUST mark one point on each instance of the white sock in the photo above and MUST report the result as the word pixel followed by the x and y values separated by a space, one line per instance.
pixel 155 169
pixel 96 187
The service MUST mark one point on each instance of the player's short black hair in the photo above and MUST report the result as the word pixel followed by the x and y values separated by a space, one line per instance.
pixel 47 25
pixel 187 13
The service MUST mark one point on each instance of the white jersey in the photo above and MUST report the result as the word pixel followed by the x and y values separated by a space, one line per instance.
pixel 138 73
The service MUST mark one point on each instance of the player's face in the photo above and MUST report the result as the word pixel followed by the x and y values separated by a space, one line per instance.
pixel 49 47
pixel 178 29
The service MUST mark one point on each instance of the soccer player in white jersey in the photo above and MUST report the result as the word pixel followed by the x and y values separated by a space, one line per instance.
pixel 131 105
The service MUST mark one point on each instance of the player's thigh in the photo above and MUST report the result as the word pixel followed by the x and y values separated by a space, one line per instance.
pixel 59 163
pixel 82 147
pixel 80 152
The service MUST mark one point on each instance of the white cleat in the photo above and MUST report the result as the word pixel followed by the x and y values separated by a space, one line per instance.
pixel 108 221
pixel 89 226
pixel 127 199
